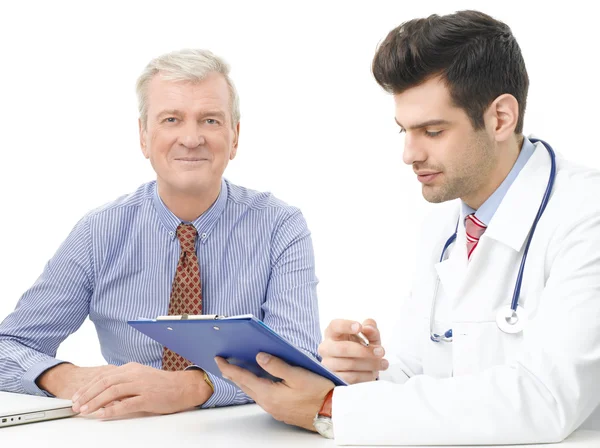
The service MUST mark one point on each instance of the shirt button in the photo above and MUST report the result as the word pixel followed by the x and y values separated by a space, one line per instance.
pixel 171 233
pixel 203 235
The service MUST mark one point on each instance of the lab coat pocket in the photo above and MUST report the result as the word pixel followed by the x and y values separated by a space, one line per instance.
pixel 437 356
pixel 481 345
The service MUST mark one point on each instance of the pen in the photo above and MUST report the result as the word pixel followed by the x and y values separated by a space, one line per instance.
pixel 363 338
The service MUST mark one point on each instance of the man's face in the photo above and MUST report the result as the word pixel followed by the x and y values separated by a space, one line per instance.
pixel 450 158
pixel 189 137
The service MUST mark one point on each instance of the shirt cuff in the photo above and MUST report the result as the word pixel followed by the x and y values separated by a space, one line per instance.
pixel 32 374
pixel 225 394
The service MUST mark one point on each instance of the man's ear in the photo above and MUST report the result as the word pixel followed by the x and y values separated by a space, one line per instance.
pixel 503 115
pixel 143 135
pixel 236 139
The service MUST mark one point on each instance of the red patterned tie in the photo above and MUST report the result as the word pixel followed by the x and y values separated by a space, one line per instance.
pixel 186 294
pixel 475 229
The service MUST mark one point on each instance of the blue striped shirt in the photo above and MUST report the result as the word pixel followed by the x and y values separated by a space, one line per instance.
pixel 118 263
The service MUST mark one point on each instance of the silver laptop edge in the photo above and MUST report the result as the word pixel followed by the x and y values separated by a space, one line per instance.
pixel 37 416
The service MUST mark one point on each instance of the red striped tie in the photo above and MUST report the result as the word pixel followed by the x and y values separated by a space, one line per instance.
pixel 475 229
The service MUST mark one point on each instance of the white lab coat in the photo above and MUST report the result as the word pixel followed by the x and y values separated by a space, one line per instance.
pixel 489 387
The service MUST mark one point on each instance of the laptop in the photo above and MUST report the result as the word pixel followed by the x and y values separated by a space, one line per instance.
pixel 18 409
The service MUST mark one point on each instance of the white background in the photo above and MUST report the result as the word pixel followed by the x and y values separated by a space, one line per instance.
pixel 316 129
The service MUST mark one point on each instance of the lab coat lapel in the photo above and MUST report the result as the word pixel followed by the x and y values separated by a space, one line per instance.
pixel 510 225
pixel 452 270
pixel 512 221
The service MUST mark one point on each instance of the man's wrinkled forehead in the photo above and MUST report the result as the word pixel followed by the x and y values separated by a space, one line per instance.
pixel 210 94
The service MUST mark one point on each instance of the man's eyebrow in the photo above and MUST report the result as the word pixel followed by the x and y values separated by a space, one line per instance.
pixel 424 124
pixel 206 113
pixel 215 112
pixel 169 112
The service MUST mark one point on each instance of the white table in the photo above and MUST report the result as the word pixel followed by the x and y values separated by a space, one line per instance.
pixel 246 426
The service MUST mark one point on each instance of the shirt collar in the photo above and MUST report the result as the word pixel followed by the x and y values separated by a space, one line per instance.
pixel 486 212
pixel 203 224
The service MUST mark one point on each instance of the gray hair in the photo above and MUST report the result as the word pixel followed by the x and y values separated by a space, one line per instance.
pixel 192 65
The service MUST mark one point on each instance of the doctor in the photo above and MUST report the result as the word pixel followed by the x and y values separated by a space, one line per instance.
pixel 482 354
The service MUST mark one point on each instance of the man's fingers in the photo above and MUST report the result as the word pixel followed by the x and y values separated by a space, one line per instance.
pixel 294 378
pixel 357 377
pixel 247 391
pixel 340 329
pixel 122 407
pixel 95 395
pixel 349 349
pixel 83 395
pixel 280 369
pixel 110 395
pixel 355 364
pixel 370 330
pixel 242 377
pixel 107 370
pixel 370 322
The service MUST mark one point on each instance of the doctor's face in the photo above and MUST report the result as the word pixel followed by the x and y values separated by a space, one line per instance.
pixel 450 158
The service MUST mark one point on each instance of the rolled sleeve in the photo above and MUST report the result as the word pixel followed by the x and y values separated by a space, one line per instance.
pixel 28 380
pixel 52 309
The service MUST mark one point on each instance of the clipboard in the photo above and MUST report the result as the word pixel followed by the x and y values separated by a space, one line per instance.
pixel 238 339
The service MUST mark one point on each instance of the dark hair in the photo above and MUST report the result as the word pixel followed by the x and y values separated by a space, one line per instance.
pixel 476 55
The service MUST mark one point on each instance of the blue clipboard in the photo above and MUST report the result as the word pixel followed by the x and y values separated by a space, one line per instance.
pixel 238 339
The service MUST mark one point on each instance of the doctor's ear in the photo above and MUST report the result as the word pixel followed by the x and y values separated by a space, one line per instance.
pixel 501 117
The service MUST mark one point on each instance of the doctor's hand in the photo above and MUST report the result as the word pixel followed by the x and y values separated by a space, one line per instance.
pixel 295 400
pixel 137 388
pixel 347 357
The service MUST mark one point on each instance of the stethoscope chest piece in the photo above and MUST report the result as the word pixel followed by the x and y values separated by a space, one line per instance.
pixel 510 321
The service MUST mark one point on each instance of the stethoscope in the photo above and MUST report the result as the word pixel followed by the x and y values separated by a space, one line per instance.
pixel 510 320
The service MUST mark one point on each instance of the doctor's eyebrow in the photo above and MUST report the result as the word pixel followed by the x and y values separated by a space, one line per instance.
pixel 424 124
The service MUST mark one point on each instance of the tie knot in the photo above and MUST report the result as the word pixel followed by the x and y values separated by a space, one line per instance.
pixel 186 233
pixel 474 228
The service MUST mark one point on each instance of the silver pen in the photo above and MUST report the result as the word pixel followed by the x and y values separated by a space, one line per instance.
pixel 363 338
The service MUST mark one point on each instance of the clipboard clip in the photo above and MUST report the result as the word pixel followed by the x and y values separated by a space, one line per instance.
pixel 192 317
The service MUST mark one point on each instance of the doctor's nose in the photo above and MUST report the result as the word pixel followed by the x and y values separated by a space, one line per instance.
pixel 413 151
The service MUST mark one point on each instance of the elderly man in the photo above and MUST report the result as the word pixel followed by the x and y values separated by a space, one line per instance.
pixel 189 242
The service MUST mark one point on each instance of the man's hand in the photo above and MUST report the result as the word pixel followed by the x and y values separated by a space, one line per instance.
pixel 138 388
pixel 347 357
pixel 65 379
pixel 295 400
